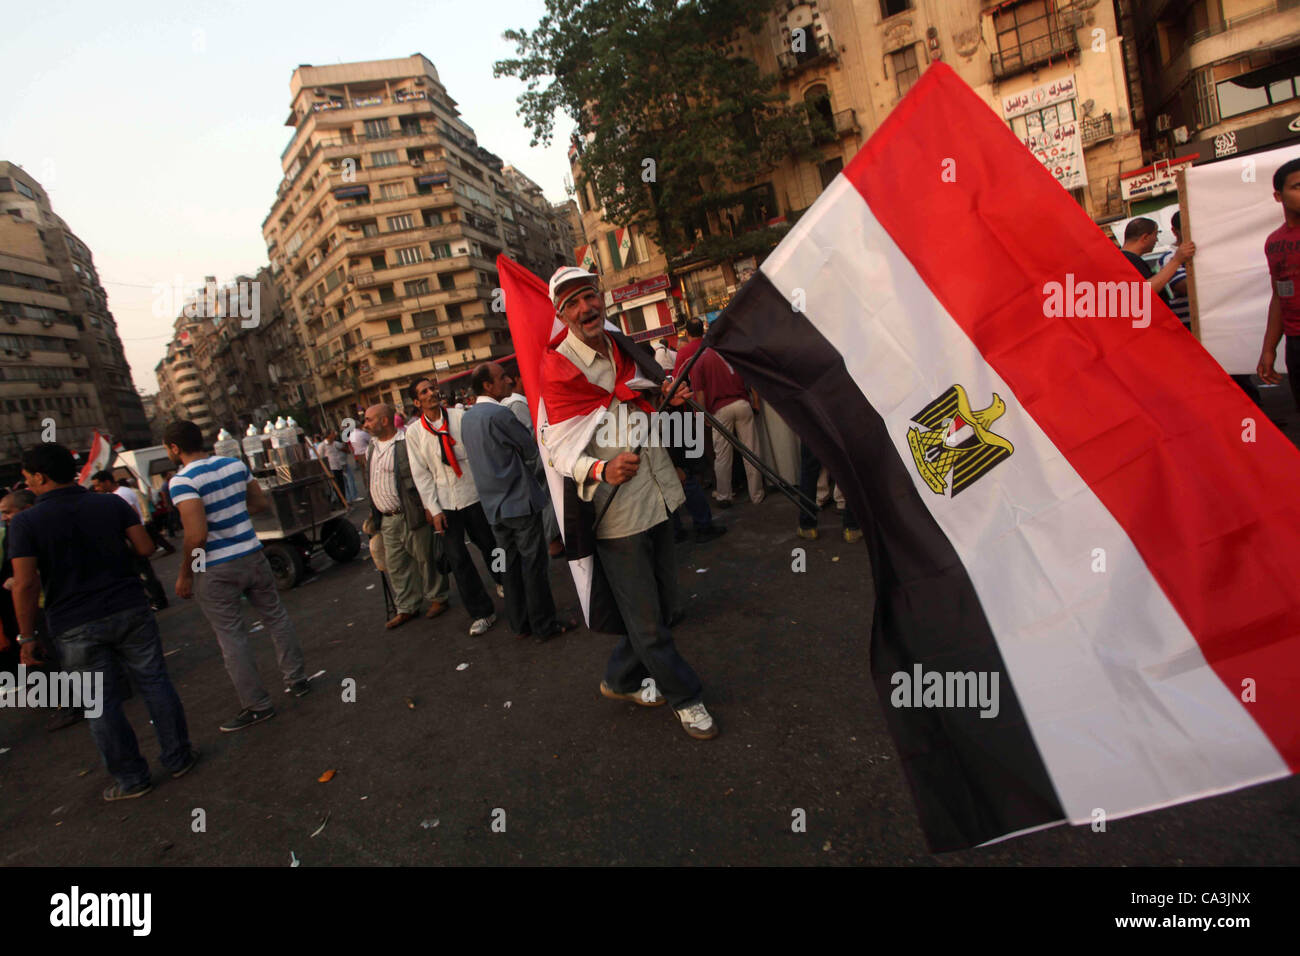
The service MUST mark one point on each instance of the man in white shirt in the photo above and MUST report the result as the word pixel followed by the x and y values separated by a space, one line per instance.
pixel 104 483
pixel 665 354
pixel 440 467
pixel 359 439
pixel 396 509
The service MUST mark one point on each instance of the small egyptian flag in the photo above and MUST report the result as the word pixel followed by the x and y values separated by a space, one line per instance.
pixel 1083 535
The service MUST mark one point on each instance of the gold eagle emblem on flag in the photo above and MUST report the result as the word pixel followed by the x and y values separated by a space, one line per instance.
pixel 957 439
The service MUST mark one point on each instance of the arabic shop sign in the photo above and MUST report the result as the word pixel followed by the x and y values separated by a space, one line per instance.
pixel 1038 97
pixel 637 289
pixel 1153 180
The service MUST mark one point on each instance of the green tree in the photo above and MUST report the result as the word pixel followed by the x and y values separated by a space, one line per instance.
pixel 674 123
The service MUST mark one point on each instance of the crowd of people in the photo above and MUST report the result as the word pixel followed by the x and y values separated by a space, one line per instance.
pixel 445 473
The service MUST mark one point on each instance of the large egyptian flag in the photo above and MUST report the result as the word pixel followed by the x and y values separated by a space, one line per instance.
pixel 564 430
pixel 101 453
pixel 1090 510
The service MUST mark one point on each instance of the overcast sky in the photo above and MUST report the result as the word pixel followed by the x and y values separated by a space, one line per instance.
pixel 156 128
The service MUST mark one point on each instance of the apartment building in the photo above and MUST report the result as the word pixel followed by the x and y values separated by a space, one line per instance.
pixel 181 393
pixel 1054 71
pixel 1219 79
pixel 62 358
pixel 386 228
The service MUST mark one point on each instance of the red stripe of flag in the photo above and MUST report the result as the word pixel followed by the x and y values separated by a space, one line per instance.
pixel 1145 416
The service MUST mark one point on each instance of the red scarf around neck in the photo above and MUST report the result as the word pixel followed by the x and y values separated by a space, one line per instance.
pixel 447 442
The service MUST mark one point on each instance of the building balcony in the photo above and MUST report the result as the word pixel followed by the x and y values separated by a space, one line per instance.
pixel 1096 129
pixel 1058 42
pixel 819 50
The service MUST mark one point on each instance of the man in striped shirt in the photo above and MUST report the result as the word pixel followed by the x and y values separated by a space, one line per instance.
pixel 214 496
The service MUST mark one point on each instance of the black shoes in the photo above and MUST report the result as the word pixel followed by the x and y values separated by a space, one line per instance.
pixel 246 718
pixel 299 688
pixel 709 533
pixel 189 763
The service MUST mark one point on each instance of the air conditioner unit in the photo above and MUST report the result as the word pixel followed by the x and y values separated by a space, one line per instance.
pixel 47 322
pixel 336 164
pixel 319 91
pixel 353 227
pixel 417 162
pixel 1180 135
pixel 418 81
pixel 1163 123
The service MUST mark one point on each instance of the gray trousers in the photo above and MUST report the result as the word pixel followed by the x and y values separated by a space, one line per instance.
pixel 218 589
pixel 409 556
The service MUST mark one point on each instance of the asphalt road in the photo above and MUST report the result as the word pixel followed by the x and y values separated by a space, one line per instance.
pixel 577 779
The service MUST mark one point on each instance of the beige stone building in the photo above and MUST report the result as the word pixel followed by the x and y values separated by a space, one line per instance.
pixel 1219 79
pixel 61 360
pixel 181 392
pixel 1053 70
pixel 386 229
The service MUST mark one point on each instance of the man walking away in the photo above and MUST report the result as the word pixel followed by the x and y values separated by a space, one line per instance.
pixel 75 545
pixel 215 496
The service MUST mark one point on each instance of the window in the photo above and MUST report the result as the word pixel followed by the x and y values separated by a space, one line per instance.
pixel 410 126
pixel 370 229
pixel 387 157
pixel 441 250
pixel 890 7
pixel 829 170
pixel 418 287
pixel 392 191
pixel 432 217
pixel 395 326
pixel 408 256
pixel 432 349
pixel 1258 89
pixel 453 313
pixel 906 69
pixel 1033 124
pixel 446 280
pixel 24 189
pixel 376 128
pixel 427 319
pixel 460 342
pixel 401 223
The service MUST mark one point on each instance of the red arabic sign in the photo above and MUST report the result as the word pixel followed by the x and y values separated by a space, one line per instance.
pixel 638 289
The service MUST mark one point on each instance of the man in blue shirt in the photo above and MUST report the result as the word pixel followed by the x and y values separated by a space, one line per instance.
pixel 74 543
pixel 215 496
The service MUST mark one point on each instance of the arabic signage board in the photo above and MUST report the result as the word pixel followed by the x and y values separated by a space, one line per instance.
pixel 1153 180
pixel 1057 145
pixel 637 289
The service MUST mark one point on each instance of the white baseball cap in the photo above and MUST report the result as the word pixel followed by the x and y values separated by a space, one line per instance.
pixel 566 275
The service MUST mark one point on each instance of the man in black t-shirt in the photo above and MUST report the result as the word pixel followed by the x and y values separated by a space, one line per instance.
pixel 1139 240
pixel 75 544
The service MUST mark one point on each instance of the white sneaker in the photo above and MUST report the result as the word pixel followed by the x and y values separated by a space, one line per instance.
pixel 482 625
pixel 697 722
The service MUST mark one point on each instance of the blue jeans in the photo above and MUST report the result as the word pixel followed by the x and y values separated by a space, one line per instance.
pixel 642 573
pixel 128 640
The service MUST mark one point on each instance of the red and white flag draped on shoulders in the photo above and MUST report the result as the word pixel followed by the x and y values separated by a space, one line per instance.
pixel 567 409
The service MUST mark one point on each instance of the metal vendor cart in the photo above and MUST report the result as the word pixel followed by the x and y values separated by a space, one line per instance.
pixel 307 512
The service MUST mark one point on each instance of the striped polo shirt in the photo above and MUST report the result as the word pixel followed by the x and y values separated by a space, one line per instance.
pixel 219 483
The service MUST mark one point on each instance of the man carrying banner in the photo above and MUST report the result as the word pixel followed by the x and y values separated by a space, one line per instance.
pixel 585 379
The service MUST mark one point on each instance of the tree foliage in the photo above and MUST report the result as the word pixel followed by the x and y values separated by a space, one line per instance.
pixel 651 80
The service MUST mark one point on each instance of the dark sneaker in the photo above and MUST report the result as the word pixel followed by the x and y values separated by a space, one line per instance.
pixel 116 792
pixel 709 533
pixel 299 688
pixel 246 718
pixel 189 763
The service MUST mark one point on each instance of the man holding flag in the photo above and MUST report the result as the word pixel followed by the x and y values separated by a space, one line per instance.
pixel 585 376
